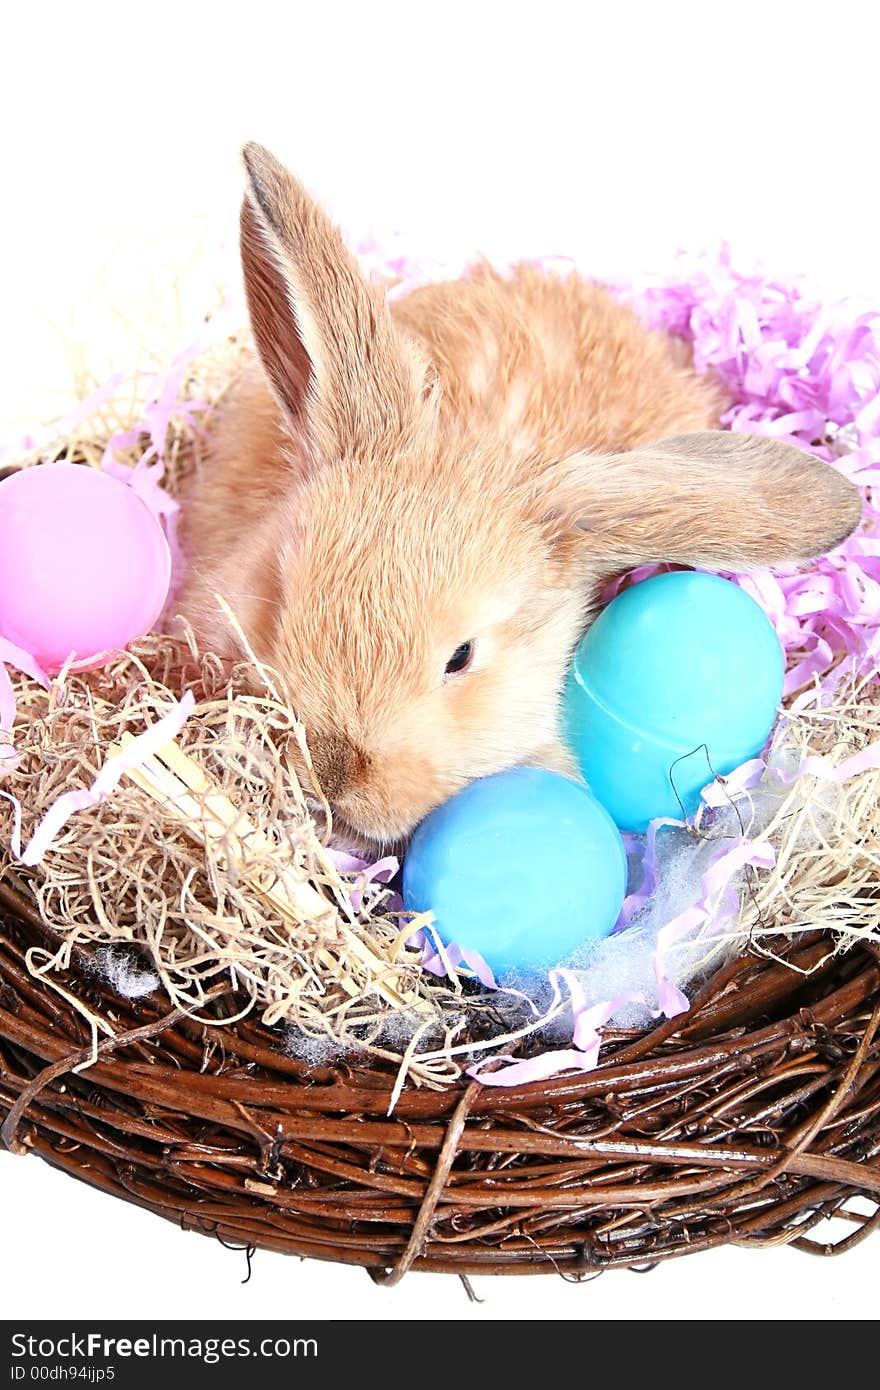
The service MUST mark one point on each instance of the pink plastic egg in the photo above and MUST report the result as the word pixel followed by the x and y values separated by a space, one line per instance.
pixel 84 564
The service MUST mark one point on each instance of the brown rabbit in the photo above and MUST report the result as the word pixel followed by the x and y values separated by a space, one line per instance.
pixel 412 509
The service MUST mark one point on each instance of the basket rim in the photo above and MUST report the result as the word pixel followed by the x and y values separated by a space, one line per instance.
pixel 380 1190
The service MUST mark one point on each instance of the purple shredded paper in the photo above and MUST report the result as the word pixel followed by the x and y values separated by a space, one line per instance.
pixel 810 374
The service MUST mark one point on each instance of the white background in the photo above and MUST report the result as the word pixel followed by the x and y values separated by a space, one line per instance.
pixel 614 132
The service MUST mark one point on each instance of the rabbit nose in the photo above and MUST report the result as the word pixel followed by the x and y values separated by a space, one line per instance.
pixel 336 762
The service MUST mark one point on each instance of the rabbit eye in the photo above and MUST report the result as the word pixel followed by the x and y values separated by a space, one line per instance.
pixel 461 659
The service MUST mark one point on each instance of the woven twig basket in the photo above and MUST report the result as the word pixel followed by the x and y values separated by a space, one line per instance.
pixel 748 1122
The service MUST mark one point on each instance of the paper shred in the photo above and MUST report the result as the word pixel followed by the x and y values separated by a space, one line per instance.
pixel 715 906
pixel 346 863
pixel 442 961
pixel 7 720
pixel 368 872
pixel 540 1068
pixel 382 871
pixel 840 772
pixel 586 1035
pixel 20 660
pixel 725 789
pixel 107 780
pixel 15 836
pixel 589 1021
pixel 809 373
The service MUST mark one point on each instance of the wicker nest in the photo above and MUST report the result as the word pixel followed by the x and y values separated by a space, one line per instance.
pixel 749 1124
pixel 747 1120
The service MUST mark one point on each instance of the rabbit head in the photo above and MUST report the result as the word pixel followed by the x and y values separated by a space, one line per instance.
pixel 420 593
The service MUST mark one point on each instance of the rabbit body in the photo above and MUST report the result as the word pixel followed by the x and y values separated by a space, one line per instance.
pixel 553 363
pixel 411 509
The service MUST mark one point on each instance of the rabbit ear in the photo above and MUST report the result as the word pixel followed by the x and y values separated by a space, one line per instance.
pixel 716 499
pixel 335 362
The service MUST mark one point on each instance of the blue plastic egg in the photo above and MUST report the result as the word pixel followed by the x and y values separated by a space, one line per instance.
pixel 679 678
pixel 521 867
